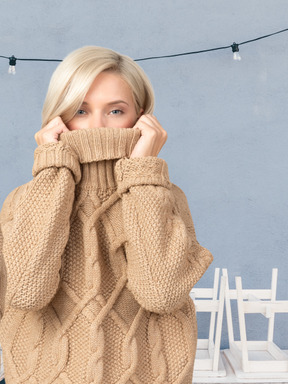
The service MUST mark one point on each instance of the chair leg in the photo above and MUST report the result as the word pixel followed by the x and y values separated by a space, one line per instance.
pixel 242 325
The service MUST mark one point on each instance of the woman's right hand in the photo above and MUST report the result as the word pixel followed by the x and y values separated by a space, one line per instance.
pixel 50 133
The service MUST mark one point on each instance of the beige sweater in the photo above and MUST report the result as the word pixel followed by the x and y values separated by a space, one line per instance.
pixel 98 255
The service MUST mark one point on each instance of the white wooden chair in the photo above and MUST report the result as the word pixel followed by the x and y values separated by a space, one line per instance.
pixel 255 359
pixel 1 365
pixel 208 361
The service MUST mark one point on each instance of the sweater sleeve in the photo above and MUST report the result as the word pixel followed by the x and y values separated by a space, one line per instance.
pixel 164 259
pixel 34 223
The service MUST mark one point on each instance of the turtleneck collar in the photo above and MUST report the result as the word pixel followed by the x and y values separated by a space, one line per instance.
pixel 98 149
pixel 96 144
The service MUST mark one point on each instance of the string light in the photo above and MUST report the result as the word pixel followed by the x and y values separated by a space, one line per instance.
pixel 12 64
pixel 235 49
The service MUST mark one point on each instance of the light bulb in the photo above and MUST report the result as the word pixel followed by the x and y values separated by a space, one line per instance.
pixel 236 56
pixel 11 70
pixel 12 63
pixel 235 50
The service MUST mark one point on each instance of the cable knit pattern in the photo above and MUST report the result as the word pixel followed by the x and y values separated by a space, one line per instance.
pixel 98 255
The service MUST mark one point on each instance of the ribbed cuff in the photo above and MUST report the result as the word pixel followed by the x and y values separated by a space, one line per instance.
pixel 56 155
pixel 141 171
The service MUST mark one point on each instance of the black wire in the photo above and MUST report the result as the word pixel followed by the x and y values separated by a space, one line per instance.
pixel 172 55
pixel 182 54
pixel 21 59
pixel 212 49
pixel 263 37
pixel 38 59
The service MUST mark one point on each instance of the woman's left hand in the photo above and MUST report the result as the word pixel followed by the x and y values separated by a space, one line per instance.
pixel 153 137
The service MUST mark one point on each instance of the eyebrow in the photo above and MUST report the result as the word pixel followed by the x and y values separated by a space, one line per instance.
pixel 111 102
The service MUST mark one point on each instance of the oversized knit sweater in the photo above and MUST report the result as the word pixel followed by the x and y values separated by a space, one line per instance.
pixel 98 255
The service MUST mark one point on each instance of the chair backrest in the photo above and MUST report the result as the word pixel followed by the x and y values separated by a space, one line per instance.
pixel 202 303
pixel 206 300
pixel 1 365
pixel 250 301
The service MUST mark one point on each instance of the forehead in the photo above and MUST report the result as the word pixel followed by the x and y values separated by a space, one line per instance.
pixel 109 85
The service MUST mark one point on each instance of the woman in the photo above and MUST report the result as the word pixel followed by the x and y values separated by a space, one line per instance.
pixel 98 251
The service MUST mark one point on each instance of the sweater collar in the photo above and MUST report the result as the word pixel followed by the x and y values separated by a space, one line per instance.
pixel 98 150
pixel 96 144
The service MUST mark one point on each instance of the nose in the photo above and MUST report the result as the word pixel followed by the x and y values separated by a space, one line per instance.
pixel 98 120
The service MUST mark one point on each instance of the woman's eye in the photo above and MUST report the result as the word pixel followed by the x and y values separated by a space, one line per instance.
pixel 116 112
pixel 81 112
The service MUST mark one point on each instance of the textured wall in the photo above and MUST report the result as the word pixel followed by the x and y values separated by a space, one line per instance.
pixel 226 120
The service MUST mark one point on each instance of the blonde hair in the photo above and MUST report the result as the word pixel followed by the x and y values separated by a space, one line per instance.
pixel 73 77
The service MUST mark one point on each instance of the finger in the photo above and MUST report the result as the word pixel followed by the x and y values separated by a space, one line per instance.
pixel 149 120
pixel 50 133
pixel 152 121
pixel 147 123
pixel 53 123
pixel 150 126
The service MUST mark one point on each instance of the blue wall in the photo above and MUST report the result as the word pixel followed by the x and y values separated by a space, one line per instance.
pixel 226 120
